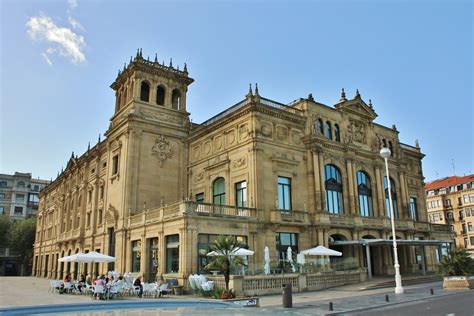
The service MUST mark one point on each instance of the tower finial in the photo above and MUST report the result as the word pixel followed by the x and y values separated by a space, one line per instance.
pixel 417 145
pixel 89 146
pixel 124 66
pixel 138 53
pixel 370 104
pixel 156 57
pixel 256 89
pixel 130 60
pixel 72 155
pixel 357 93
pixel 171 62
pixel 99 139
pixel 250 91
pixel 343 95
pixel 185 68
pixel 148 58
pixel 141 55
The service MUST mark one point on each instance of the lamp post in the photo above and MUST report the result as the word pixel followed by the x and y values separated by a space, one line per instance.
pixel 385 153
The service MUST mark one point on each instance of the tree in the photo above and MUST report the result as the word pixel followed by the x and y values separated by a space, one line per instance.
pixel 5 225
pixel 21 239
pixel 224 246
pixel 457 263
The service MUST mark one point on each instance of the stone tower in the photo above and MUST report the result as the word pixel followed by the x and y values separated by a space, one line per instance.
pixel 146 136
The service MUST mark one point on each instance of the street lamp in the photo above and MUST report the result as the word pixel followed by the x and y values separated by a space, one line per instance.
pixel 385 153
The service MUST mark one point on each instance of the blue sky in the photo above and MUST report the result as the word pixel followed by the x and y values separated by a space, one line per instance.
pixel 414 59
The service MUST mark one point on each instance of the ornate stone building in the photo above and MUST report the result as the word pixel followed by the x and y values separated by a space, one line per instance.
pixel 451 201
pixel 159 189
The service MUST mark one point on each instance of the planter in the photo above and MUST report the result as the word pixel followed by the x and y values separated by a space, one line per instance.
pixel 458 282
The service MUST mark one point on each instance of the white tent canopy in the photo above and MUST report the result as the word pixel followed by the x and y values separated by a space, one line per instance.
pixel 87 257
pixel 241 252
pixel 321 251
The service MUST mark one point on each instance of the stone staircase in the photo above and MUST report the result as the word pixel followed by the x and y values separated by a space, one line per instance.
pixel 406 280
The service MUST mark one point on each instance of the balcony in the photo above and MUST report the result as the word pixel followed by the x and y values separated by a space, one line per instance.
pixel 291 216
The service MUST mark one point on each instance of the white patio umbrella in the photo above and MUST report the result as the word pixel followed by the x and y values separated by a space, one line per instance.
pixel 266 260
pixel 321 251
pixel 289 257
pixel 96 257
pixel 241 252
pixel 71 258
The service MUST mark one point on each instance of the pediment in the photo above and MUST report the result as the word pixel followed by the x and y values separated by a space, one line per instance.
pixel 358 107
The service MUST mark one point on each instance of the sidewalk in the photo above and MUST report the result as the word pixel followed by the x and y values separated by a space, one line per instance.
pixel 350 299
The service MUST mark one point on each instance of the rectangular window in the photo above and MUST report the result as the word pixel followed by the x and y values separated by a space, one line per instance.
pixel 284 193
pixel 115 165
pixel 18 210
pixel 448 202
pixel 241 194
pixel 472 241
pixel 136 255
pixel 200 198
pixel 464 228
pixel 99 216
pixel 469 227
pixel 19 198
pixel 413 209
pixel 153 258
pixel 204 247
pixel 172 254
pixel 283 241
pixel 449 215
pixel 88 220
pixel 2 196
pixel 461 215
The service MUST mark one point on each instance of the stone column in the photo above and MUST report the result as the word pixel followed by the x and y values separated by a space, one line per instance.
pixel 380 196
pixel 350 180
pixel 317 183
pixel 321 179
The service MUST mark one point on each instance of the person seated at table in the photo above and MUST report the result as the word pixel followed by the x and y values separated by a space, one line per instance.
pixel 81 282
pixel 88 280
pixel 67 278
pixel 100 281
pixel 138 282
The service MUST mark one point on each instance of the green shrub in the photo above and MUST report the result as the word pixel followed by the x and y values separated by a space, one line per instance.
pixel 458 262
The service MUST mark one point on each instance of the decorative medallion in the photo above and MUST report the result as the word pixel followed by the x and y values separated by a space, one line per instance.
pixel 282 133
pixel 162 149
pixel 230 137
pixel 266 130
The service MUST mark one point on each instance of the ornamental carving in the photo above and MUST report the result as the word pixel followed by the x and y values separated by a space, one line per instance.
pixel 162 149
pixel 243 132
pixel 230 137
pixel 207 147
pixel 199 176
pixel 241 162
pixel 282 133
pixel 296 137
pixel 218 143
pixel 158 116
pixel 196 152
pixel 355 133
pixel 266 130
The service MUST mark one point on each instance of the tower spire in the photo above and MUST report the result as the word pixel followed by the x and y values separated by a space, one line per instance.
pixel 185 68
pixel 357 94
pixel 171 62
pixel 343 96
pixel 156 57
pixel 256 89
pixel 370 104
pixel 250 94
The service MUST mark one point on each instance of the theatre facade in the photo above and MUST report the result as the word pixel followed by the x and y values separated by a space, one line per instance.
pixel 158 189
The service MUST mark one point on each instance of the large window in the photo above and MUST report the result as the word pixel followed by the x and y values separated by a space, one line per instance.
pixel 414 209
pixel 20 184
pixel 204 247
pixel 364 190
pixel 18 210
pixel 115 164
pixel 328 132
pixel 20 198
pixel 136 255
pixel 172 254
pixel 241 194
pixel 160 95
pixel 2 196
pixel 176 99
pixel 393 192
pixel 218 191
pixel 337 133
pixel 200 198
pixel 145 92
pixel 284 193
pixel 153 257
pixel 333 184
pixel 283 241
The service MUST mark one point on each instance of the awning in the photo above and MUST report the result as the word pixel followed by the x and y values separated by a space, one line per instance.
pixel 380 242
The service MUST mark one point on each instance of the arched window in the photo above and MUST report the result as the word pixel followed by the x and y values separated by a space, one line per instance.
pixel 384 143
pixel 176 99
pixel 328 130
pixel 364 190
pixel 319 126
pixel 393 192
pixel 160 95
pixel 125 97
pixel 20 184
pixel 145 92
pixel 391 148
pixel 337 133
pixel 333 184
pixel 218 191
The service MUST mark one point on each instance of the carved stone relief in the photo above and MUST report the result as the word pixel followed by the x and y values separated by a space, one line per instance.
pixel 244 131
pixel 296 137
pixel 196 152
pixel 199 176
pixel 355 133
pixel 207 147
pixel 162 149
pixel 240 162
pixel 266 129
pixel 230 137
pixel 282 133
pixel 162 117
pixel 218 142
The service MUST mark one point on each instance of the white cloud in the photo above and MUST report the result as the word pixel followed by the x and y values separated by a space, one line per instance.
pixel 46 57
pixel 75 23
pixel 72 4
pixel 63 40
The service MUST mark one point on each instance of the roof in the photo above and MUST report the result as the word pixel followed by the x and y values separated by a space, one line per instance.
pixel 448 181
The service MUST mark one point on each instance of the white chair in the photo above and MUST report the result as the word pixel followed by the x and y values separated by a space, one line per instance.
pixel 207 286
pixel 99 291
pixel 55 286
pixel 69 287
pixel 192 282
pixel 116 289
pixel 163 289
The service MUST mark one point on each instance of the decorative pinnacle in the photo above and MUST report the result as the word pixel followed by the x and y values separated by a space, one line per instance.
pixel 156 57
pixel 89 146
pixel 138 53
pixel 119 72
pixel 124 66
pixel 141 55
pixel 310 97
pixel 72 155
pixel 357 93
pixel 250 91
pixel 99 139
pixel 256 89
pixel 148 58
pixel 171 62
pixel 130 60
pixel 417 145
pixel 185 68
pixel 370 104
pixel 343 95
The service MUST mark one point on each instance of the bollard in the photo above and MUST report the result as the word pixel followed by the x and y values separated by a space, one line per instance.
pixel 287 296
pixel 386 298
pixel 431 292
pixel 331 306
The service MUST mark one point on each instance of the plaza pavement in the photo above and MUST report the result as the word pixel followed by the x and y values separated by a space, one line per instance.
pixel 28 291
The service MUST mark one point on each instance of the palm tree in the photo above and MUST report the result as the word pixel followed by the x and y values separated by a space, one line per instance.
pixel 224 246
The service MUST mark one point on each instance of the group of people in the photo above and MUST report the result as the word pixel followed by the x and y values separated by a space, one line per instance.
pixel 83 282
